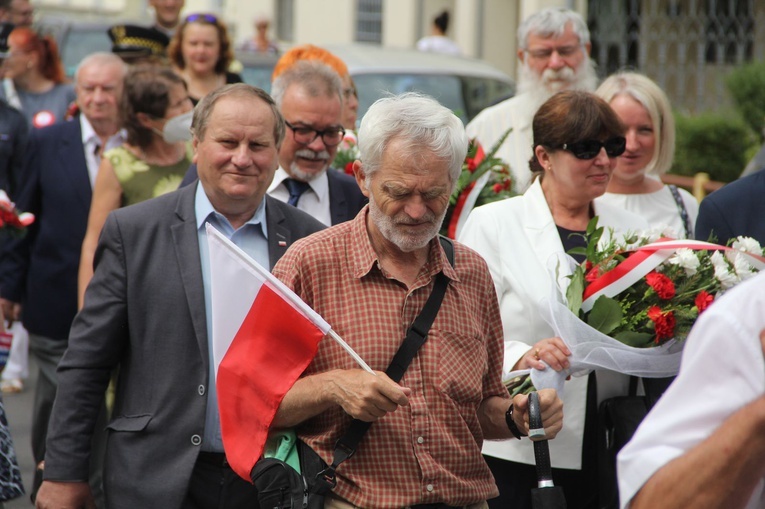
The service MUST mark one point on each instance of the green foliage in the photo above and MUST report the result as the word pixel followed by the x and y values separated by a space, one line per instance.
pixel 606 315
pixel 712 143
pixel 746 85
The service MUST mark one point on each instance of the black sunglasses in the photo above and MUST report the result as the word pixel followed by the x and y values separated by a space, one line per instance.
pixel 201 17
pixel 589 149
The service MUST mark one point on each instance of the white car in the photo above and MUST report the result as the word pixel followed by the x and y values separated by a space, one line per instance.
pixel 464 85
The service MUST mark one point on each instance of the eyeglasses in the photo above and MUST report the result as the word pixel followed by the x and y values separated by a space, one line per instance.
pixel 331 136
pixel 201 17
pixel 589 149
pixel 546 53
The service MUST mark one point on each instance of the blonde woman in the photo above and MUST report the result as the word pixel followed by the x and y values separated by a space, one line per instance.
pixel 636 183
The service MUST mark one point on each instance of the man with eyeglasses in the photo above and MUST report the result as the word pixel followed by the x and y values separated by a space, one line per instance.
pixel 554 48
pixel 309 95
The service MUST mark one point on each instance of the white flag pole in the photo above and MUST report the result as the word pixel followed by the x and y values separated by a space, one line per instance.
pixel 350 351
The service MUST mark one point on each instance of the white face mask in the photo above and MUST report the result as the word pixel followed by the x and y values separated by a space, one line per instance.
pixel 178 128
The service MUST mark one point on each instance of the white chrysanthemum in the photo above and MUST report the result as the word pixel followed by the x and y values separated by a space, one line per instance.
pixel 718 260
pixel 726 278
pixel 652 234
pixel 742 267
pixel 747 245
pixel 686 259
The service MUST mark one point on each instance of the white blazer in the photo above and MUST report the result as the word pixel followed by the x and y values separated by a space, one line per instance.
pixel 518 238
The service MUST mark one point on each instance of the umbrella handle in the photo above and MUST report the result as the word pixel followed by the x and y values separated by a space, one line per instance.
pixel 541 448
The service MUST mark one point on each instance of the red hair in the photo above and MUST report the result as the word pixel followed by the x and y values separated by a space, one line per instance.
pixel 28 40
pixel 309 52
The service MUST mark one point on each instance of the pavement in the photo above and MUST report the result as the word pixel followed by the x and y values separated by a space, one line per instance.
pixel 18 409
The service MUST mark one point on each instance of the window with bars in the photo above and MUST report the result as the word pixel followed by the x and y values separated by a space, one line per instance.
pixel 369 21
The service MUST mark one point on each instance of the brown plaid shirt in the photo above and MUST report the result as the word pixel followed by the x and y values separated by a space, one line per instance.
pixel 429 451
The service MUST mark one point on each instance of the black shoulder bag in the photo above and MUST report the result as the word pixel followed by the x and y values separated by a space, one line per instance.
pixel 281 486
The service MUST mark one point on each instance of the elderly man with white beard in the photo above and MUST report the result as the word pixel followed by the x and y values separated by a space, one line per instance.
pixel 554 53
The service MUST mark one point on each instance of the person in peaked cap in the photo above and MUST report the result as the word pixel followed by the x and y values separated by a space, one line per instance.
pixel 134 43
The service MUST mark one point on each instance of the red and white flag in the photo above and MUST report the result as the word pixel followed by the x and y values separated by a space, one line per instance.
pixel 264 336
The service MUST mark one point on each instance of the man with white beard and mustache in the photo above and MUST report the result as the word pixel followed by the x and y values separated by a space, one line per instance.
pixel 309 95
pixel 554 54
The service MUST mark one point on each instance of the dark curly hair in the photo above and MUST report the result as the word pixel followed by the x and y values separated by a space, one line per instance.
pixel 226 55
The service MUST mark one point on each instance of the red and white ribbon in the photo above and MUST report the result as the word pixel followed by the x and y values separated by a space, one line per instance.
pixel 642 261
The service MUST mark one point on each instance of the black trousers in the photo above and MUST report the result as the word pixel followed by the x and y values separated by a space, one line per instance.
pixel 215 486
pixel 515 480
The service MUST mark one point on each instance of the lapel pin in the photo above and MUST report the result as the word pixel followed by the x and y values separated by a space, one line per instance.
pixel 282 243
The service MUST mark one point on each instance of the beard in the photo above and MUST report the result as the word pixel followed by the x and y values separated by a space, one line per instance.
pixel 539 89
pixel 305 176
pixel 390 227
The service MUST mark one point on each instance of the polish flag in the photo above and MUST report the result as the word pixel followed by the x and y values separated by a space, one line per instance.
pixel 264 336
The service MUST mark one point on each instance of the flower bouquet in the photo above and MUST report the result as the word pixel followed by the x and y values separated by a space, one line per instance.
pixel 10 218
pixel 631 304
pixel 484 179
pixel 347 153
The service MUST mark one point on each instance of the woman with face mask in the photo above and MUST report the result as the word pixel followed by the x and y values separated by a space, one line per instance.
pixel 156 111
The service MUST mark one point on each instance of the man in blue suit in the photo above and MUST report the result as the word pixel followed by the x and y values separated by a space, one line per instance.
pixel 309 95
pixel 736 209
pixel 38 273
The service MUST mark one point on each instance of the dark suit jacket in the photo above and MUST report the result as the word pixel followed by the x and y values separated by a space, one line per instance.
pixel 736 209
pixel 40 270
pixel 144 311
pixel 345 197
pixel 13 141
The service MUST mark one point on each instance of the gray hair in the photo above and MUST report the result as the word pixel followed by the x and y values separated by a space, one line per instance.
pixel 204 109
pixel 316 78
pixel 551 22
pixel 419 120
pixel 101 58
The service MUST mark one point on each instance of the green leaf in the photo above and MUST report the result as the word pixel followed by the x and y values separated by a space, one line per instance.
pixel 606 315
pixel 575 290
pixel 579 250
pixel 636 339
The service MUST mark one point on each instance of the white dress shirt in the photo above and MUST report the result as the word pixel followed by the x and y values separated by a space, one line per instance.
pixel 315 201
pixel 91 144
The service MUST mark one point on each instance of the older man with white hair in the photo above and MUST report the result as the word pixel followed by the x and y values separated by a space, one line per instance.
pixel 371 277
pixel 554 53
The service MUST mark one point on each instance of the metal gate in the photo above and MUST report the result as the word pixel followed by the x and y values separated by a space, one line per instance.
pixel 687 46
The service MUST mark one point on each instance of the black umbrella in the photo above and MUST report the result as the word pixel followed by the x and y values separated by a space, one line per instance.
pixel 546 495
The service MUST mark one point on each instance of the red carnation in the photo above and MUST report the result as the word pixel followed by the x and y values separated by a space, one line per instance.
pixel 663 323
pixel 471 164
pixel 497 188
pixel 703 300
pixel 349 168
pixel 661 284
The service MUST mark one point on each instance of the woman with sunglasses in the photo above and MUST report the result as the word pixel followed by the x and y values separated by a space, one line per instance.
pixel 577 139
pixel 636 184
pixel 156 112
pixel 200 51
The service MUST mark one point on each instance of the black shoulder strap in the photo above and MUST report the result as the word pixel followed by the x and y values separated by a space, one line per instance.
pixel 415 338
pixel 682 210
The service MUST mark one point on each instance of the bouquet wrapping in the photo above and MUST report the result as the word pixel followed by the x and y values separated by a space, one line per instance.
pixel 629 306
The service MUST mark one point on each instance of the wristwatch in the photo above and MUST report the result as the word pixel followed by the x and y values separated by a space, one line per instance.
pixel 511 423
